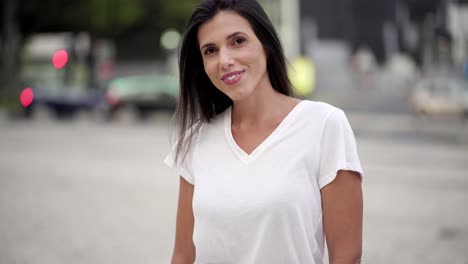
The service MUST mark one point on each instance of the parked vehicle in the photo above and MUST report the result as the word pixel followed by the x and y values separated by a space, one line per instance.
pixel 60 102
pixel 440 95
pixel 141 94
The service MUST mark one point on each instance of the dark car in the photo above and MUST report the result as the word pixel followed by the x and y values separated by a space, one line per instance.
pixel 60 102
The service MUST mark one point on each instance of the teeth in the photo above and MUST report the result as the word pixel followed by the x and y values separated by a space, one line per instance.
pixel 232 77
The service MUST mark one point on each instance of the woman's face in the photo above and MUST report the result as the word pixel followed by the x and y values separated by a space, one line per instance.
pixel 233 57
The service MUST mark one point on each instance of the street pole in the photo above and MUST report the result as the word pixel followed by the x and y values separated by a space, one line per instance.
pixel 285 16
pixel 290 28
pixel 10 50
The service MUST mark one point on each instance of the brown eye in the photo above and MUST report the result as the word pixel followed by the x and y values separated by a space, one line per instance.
pixel 238 41
pixel 209 51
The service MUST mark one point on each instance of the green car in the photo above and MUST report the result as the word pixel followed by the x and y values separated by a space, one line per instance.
pixel 141 94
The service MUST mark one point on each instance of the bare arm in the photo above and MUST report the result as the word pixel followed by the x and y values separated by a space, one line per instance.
pixel 342 215
pixel 184 249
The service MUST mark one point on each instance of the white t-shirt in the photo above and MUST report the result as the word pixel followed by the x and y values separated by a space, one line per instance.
pixel 266 207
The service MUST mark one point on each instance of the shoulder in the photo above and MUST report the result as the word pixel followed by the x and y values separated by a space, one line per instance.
pixel 217 121
pixel 320 112
pixel 212 130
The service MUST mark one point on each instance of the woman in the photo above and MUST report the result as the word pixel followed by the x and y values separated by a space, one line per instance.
pixel 264 176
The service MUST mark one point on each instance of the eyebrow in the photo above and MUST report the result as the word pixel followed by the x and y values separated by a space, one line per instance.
pixel 228 37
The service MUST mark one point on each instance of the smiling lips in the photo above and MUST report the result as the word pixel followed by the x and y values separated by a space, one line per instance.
pixel 232 77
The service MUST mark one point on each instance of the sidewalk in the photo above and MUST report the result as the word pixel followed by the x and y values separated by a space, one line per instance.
pixel 409 127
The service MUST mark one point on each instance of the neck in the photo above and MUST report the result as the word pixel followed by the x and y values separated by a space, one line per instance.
pixel 265 105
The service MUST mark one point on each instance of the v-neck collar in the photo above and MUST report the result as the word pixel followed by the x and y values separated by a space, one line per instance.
pixel 240 153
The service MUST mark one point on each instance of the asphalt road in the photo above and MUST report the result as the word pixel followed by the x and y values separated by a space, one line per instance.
pixel 89 192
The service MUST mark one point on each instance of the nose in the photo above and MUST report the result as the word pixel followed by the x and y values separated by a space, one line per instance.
pixel 226 59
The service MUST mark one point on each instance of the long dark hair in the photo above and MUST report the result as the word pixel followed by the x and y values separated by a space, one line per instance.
pixel 199 100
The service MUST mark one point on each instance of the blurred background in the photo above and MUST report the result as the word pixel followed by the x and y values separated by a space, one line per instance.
pixel 88 88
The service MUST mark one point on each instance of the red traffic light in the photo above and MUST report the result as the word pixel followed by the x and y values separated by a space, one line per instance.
pixel 60 58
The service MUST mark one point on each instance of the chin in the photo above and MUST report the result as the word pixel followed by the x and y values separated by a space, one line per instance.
pixel 239 94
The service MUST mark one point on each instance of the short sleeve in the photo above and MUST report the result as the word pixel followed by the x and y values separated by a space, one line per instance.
pixel 338 149
pixel 181 167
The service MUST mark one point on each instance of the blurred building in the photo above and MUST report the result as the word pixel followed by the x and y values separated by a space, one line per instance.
pixel 420 28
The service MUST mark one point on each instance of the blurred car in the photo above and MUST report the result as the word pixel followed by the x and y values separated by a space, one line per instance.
pixel 440 95
pixel 141 94
pixel 59 102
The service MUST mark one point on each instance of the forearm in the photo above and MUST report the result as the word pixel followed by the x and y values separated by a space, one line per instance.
pixel 182 259
pixel 184 249
pixel 342 215
pixel 346 259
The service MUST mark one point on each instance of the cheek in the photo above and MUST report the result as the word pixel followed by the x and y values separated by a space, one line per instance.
pixel 260 63
pixel 257 56
pixel 210 70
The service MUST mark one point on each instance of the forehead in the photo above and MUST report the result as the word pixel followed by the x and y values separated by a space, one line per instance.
pixel 221 25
